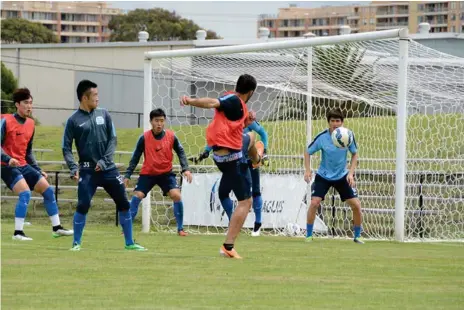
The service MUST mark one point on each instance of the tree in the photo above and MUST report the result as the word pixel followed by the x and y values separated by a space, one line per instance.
pixel 18 30
pixel 343 73
pixel 161 25
pixel 9 84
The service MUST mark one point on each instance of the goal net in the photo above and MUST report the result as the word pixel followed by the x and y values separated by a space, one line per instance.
pixel 299 81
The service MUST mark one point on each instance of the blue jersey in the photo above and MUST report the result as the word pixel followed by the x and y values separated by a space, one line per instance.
pixel 255 126
pixel 333 161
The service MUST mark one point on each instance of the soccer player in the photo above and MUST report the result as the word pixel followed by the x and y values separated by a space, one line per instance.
pixel 95 136
pixel 157 144
pixel 332 173
pixel 20 171
pixel 225 134
pixel 255 178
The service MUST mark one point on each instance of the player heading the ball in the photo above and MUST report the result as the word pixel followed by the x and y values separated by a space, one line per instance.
pixel 332 172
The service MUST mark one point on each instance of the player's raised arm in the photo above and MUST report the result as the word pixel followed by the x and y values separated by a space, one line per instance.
pixel 30 158
pixel 107 159
pixel 68 137
pixel 135 159
pixel 204 103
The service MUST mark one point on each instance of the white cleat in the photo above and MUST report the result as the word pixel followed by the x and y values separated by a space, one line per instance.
pixel 21 237
pixel 62 232
pixel 256 233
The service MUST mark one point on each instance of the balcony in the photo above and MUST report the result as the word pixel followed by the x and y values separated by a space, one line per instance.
pixel 436 11
pixel 380 26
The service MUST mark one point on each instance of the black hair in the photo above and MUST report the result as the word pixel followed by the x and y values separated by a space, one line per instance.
pixel 157 113
pixel 21 94
pixel 83 87
pixel 335 114
pixel 245 84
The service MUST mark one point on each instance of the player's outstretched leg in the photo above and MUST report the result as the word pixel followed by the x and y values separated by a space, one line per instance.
pixel 134 204
pixel 355 205
pixel 42 187
pixel 311 217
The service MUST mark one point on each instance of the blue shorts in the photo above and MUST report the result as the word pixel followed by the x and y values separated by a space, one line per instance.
pixel 110 180
pixel 235 177
pixel 166 182
pixel 11 176
pixel 321 186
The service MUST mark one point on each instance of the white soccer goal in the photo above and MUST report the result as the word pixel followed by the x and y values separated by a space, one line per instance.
pixel 403 101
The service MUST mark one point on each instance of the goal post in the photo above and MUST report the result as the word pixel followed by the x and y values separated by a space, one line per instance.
pixel 381 81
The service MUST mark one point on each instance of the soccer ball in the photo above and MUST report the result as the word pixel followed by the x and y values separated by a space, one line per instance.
pixel 292 229
pixel 342 137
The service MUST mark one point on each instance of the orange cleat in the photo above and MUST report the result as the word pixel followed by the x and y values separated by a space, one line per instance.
pixel 229 254
pixel 182 233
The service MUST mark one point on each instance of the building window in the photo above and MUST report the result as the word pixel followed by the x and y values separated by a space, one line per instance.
pixel 420 7
pixel 285 33
pixel 364 21
pixel 371 21
pixel 453 5
pixel 453 29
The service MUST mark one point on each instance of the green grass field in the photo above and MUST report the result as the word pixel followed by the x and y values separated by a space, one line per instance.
pixel 187 273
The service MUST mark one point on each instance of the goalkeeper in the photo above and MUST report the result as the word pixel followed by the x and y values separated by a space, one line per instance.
pixel 255 178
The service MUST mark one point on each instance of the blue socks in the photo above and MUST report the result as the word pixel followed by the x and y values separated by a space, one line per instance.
pixel 78 226
pixel 21 209
pixel 228 207
pixel 257 208
pixel 21 205
pixel 134 206
pixel 179 214
pixel 357 231
pixel 309 230
pixel 125 220
pixel 50 202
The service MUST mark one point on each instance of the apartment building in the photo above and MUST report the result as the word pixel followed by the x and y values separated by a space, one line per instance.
pixel 73 22
pixel 443 16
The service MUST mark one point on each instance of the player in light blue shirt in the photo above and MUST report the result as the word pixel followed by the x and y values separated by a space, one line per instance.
pixel 332 172
pixel 255 178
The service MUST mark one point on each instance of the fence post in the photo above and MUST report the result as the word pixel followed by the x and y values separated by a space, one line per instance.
pixel 57 173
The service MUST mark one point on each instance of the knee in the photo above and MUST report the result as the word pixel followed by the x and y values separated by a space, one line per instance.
pixel 25 197
pixel 314 204
pixel 82 207
pixel 139 195
pixel 355 205
pixel 48 194
pixel 175 195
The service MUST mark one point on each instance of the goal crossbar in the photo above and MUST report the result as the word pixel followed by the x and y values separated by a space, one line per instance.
pixel 255 47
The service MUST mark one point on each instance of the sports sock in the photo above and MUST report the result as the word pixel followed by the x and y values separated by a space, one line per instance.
pixel 257 226
pixel 21 209
pixel 78 226
pixel 309 230
pixel 257 208
pixel 134 206
pixel 125 220
pixel 179 214
pixel 228 206
pixel 228 246
pixel 357 231
pixel 51 206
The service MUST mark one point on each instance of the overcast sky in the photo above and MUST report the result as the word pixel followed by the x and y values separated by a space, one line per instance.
pixel 231 20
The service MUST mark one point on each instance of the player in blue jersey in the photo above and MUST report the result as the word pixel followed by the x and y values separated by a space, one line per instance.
pixel 255 178
pixel 95 136
pixel 332 172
